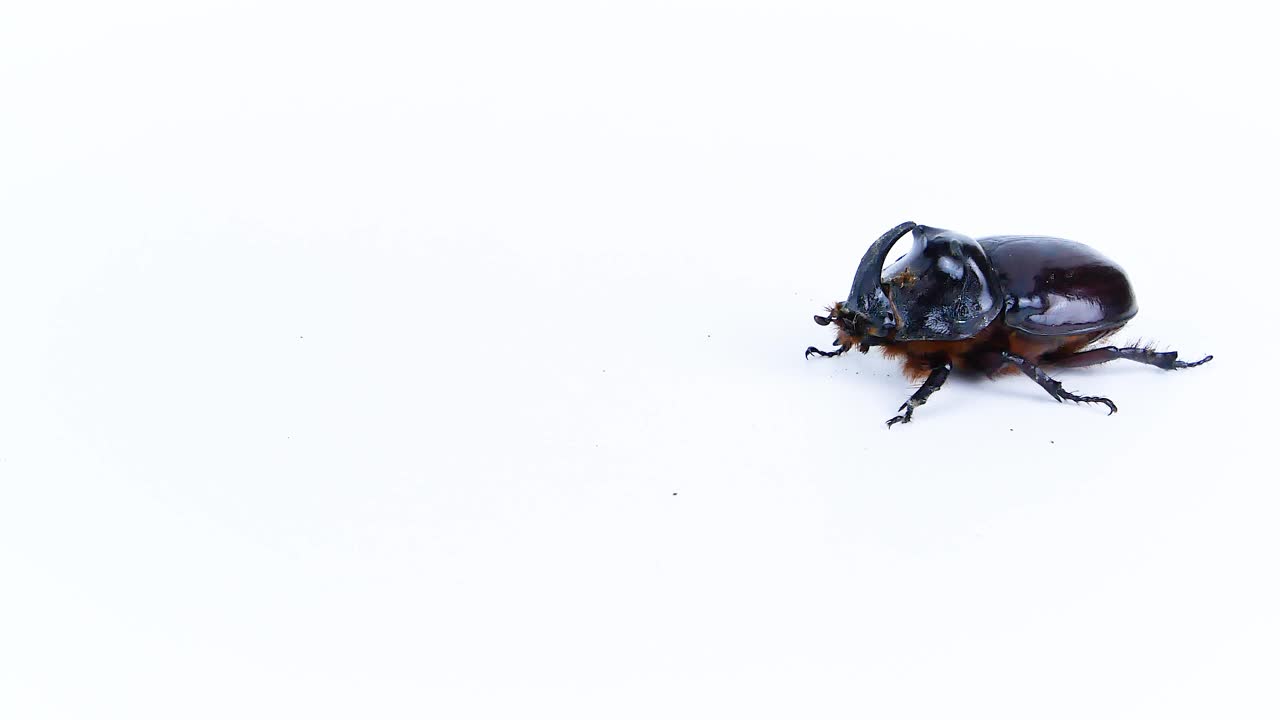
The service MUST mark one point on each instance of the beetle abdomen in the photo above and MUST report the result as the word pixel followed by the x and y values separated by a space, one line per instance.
pixel 982 353
pixel 1054 286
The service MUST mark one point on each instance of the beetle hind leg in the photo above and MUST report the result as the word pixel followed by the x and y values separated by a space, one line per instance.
pixel 938 376
pixel 1053 387
pixel 1178 364
pixel 1145 355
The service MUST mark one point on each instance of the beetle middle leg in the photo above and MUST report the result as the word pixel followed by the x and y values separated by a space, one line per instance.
pixel 1051 386
pixel 938 376
pixel 1146 356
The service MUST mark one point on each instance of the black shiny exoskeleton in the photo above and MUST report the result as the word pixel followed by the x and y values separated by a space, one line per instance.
pixel 989 305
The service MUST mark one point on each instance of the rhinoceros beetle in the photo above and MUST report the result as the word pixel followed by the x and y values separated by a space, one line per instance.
pixel 988 305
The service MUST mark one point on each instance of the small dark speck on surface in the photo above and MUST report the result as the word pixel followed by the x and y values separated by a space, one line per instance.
pixel 1051 442
pixel 675 493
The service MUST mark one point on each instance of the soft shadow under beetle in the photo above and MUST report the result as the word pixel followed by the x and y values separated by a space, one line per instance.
pixel 988 305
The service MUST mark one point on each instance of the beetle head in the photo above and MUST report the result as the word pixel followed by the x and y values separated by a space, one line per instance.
pixel 868 306
pixel 851 328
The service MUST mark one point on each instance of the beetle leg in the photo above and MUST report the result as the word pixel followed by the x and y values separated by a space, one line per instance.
pixel 921 396
pixel 1146 356
pixel 1051 386
pixel 824 353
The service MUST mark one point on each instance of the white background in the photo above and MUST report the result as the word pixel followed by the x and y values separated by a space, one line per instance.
pixel 445 361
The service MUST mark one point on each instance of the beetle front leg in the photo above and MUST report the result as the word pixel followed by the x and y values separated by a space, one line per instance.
pixel 1051 386
pixel 811 350
pixel 1146 356
pixel 921 396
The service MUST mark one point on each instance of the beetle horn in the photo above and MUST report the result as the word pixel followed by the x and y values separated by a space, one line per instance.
pixel 866 297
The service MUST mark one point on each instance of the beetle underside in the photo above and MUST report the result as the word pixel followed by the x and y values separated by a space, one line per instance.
pixel 981 353
pixel 997 349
